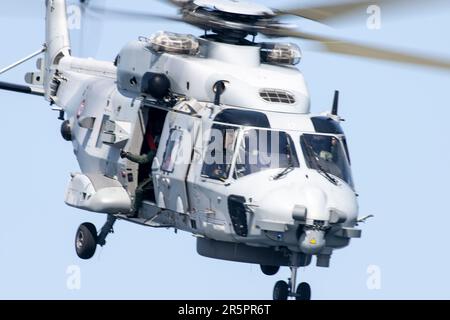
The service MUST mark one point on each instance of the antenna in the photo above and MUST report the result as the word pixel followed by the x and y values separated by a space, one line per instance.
pixel 219 89
pixel 334 110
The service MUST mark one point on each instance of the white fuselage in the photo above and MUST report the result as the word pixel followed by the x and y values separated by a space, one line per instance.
pixel 107 113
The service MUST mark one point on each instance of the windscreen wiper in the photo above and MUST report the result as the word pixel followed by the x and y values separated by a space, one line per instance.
pixel 290 166
pixel 322 171
pixel 284 172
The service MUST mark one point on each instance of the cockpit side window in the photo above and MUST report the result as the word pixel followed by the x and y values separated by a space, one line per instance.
pixel 262 149
pixel 344 143
pixel 220 151
pixel 326 153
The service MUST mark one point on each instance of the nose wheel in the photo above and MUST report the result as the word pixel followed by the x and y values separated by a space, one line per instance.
pixel 303 292
pixel 283 290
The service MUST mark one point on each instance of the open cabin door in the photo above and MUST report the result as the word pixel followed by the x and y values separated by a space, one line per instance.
pixel 173 160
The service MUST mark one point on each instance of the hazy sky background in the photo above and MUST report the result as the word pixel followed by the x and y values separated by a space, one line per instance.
pixel 397 128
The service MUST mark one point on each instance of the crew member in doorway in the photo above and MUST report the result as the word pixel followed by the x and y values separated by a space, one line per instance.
pixel 143 160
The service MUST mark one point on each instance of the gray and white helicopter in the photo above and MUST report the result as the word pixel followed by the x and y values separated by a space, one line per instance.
pixel 239 161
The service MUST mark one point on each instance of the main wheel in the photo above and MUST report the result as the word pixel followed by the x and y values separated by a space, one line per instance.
pixel 86 240
pixel 303 292
pixel 269 270
pixel 281 291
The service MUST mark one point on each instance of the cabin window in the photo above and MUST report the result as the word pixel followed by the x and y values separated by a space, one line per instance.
pixel 171 151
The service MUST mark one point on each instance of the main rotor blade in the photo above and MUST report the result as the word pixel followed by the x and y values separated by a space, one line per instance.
pixel 88 33
pixel 178 3
pixel 351 48
pixel 129 14
pixel 324 12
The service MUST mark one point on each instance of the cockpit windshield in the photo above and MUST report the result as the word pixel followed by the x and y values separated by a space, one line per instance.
pixel 257 150
pixel 254 150
pixel 220 151
pixel 264 149
pixel 326 154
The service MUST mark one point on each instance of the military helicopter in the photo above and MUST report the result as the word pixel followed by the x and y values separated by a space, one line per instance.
pixel 221 114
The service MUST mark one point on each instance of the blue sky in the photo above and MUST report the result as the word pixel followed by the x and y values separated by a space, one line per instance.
pixel 396 125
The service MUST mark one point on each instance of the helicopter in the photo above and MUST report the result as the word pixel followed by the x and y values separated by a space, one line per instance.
pixel 222 114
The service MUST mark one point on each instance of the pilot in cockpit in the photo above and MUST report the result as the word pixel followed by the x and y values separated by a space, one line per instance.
pixel 329 151
pixel 222 165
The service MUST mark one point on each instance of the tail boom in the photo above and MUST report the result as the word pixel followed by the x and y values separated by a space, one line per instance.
pixel 57 40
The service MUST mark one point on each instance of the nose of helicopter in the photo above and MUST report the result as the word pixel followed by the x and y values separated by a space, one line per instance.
pixel 315 204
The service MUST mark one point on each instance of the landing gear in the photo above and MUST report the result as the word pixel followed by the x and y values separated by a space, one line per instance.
pixel 86 241
pixel 269 270
pixel 283 290
pixel 303 291
pixel 106 229
pixel 86 238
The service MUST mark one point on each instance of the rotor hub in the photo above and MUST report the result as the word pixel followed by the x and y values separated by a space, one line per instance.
pixel 230 26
